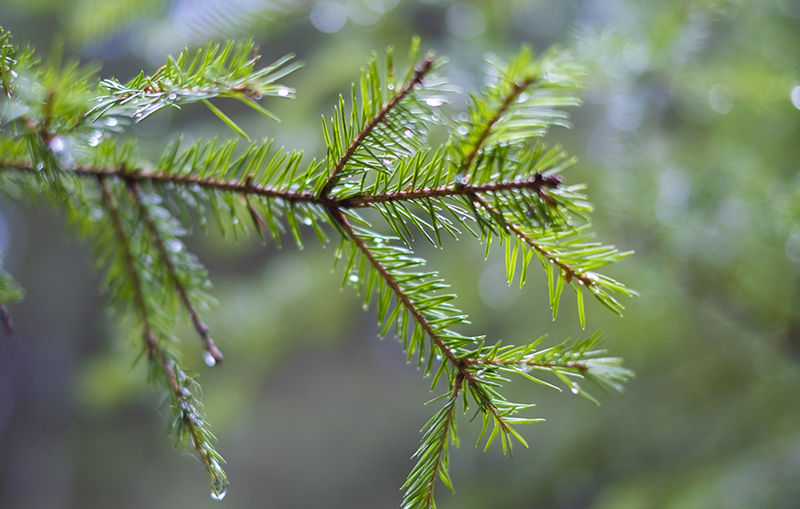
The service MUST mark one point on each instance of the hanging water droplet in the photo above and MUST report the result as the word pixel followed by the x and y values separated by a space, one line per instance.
pixel 175 246
pixel 307 221
pixel 390 86
pixel 234 220
pixel 172 96
pixel 462 130
pixel 219 482
pixel 434 102
pixel 438 357
pixel 40 166
pixel 210 361
pixel 257 97
pixel 575 389
pixel 111 122
pixel 284 91
pixel 353 278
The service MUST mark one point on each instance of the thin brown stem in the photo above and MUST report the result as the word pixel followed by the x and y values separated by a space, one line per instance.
pixel 158 242
pixel 552 257
pixel 537 183
pixel 580 366
pixel 516 90
pixel 401 296
pixel 420 73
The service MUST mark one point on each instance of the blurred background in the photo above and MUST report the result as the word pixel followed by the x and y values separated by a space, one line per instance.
pixel 689 139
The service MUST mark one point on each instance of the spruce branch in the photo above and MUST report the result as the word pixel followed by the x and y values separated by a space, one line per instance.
pixel 187 422
pixel 491 173
pixel 369 127
pixel 212 354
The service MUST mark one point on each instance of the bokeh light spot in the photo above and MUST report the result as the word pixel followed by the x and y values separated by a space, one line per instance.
pixel 328 16
pixel 796 97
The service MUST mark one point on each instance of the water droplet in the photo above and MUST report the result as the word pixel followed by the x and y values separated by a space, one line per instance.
pixel 284 91
pixel 580 282
pixel 97 214
pixel 434 102
pixel 58 145
pixel 353 278
pixel 438 356
pixel 175 246
pixel 147 260
pixel 307 221
pixel 219 482
pixel 138 116
pixel 552 261
pixel 386 161
pixel 172 96
pixel 523 97
pixel 257 96
pixel 93 142
pixel 195 188
pixel 234 220
pixel 111 122
pixel 462 130
pixel 390 86
pixel 40 166
pixel 574 390
pixel 210 361
pixel 463 181
pixel 408 133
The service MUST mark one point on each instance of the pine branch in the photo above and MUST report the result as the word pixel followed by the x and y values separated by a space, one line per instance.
pixel 212 354
pixel 536 184
pixel 187 422
pixel 488 174
pixel 369 127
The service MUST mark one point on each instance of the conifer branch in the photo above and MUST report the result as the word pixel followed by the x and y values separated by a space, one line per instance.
pixel 158 242
pixel 536 183
pixel 419 74
pixel 130 264
pixel 401 295
pixel 187 422
pixel 513 95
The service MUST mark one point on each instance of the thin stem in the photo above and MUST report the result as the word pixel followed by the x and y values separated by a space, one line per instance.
pixel 158 242
pixel 516 90
pixel 536 183
pixel 420 73
pixel 402 297
pixel 515 230
pixel 580 366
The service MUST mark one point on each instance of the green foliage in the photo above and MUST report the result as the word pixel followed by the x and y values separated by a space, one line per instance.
pixel 492 178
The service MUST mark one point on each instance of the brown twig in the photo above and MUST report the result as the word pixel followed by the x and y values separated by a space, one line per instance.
pixel 552 258
pixel 516 90
pixel 420 73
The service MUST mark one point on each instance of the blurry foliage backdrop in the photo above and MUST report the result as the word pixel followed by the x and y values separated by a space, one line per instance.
pixel 689 140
